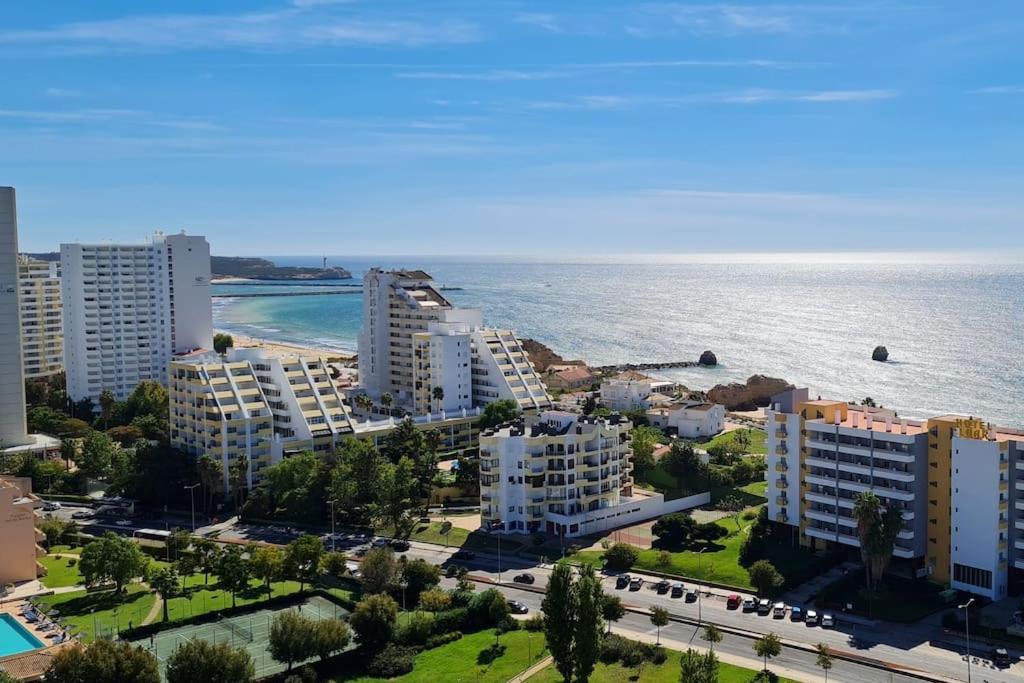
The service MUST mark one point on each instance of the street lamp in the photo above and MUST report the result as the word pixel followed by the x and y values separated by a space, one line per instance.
pixel 699 612
pixel 192 494
pixel 332 502
pixel 967 632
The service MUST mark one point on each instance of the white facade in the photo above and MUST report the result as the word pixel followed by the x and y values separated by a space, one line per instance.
pixel 979 526
pixel 129 308
pixel 689 420
pixel 13 428
pixel 42 329
pixel 627 394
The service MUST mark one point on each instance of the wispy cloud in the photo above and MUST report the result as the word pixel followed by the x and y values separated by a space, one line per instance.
pixel 492 75
pixel 527 72
pixel 545 21
pixel 849 95
pixel 999 90
pixel 61 92
pixel 728 19
pixel 749 96
pixel 295 28
pixel 120 117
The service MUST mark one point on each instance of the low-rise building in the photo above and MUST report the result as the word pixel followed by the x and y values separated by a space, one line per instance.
pixel 629 393
pixel 19 536
pixel 949 476
pixel 689 420
pixel 569 377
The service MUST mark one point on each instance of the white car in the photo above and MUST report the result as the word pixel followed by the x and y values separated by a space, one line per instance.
pixel 812 618
pixel 123 522
pixel 827 621
pixel 779 610
pixel 749 604
pixel 51 506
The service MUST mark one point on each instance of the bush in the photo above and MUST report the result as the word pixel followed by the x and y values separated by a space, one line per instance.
pixel 951 620
pixel 391 662
pixel 442 639
pixel 749 515
pixel 450 620
pixel 534 624
pixel 416 631
pixel 612 648
pixel 487 609
pixel 621 556
pixel 658 655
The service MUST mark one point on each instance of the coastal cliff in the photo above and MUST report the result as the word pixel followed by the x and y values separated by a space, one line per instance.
pixel 755 393
pixel 262 269
pixel 542 356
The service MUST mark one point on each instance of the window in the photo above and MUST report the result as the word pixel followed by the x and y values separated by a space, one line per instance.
pixel 982 578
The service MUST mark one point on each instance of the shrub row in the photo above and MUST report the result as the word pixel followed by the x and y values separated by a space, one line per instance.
pixel 630 653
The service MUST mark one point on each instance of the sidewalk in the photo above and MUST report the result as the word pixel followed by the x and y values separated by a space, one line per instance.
pixel 536 668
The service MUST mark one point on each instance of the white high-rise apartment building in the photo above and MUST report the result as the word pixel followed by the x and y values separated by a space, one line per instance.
pixel 430 355
pixel 13 429
pixel 128 308
pixel 42 330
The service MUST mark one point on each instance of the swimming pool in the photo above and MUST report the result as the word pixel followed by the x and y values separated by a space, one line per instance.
pixel 15 638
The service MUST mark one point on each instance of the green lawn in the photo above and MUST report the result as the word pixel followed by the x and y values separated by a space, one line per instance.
pixel 59 572
pixel 201 598
pixel 757 440
pixel 66 549
pixel 102 609
pixel 668 672
pixel 430 532
pixel 471 660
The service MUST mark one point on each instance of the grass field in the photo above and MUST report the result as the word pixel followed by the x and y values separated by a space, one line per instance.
pixel 102 610
pixel 471 659
pixel 66 549
pixel 757 437
pixel 201 598
pixel 460 538
pixel 60 572
pixel 669 672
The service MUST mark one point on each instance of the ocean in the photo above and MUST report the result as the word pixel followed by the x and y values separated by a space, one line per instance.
pixel 954 328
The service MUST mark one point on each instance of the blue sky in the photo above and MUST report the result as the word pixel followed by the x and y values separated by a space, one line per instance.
pixel 516 127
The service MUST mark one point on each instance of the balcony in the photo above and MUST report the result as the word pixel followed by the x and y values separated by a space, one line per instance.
pixel 781 517
pixel 781 500
pixel 781 484
pixel 781 466
pixel 780 433
pixel 781 449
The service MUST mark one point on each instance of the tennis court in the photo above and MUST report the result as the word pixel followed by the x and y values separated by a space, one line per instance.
pixel 250 631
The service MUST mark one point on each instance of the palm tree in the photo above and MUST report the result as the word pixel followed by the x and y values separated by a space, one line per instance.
pixel 825 658
pixel 209 473
pixel 712 635
pixel 239 471
pixel 438 394
pixel 877 529
pixel 67 451
pixel 386 399
pixel 107 402
pixel 768 646
pixel 364 402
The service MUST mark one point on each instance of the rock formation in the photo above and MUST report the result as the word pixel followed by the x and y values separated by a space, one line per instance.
pixel 541 356
pixel 708 358
pixel 881 354
pixel 755 393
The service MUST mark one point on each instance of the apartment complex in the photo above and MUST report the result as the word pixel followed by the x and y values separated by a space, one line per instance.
pixel 129 308
pixel 13 427
pixel 556 472
pixel 19 536
pixel 430 355
pixel 254 404
pixel 689 419
pixel 949 476
pixel 42 330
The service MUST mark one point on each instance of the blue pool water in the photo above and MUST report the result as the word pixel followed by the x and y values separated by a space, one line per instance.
pixel 14 638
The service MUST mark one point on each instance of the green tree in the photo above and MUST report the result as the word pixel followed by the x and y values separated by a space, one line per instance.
pixel 334 563
pixel 233 572
pixel 291 638
pixel 620 556
pixel 674 529
pixel 197 660
pixel 238 478
pixel 498 412
pixel 765 578
pixel 373 621
pixel 612 610
pixel 590 603
pixel 53 528
pixel 302 559
pixel 645 440
pixel 386 399
pixel 210 477
pixel 419 575
pixel 698 668
pixel 112 558
pixel 125 435
pixel 396 496
pixel 877 529
pixel 435 600
pixel 713 635
pixel 420 448
pixel 437 393
pixel 267 563
pixel 768 646
pixel 107 401
pixel 166 583
pixel 207 556
pixel 178 542
pixel 96 456
pixel 222 342
pixel 330 636
pixel 560 610
pixel 379 570
pixel 103 661
pixel 356 481
pixel 659 618
pixel 825 659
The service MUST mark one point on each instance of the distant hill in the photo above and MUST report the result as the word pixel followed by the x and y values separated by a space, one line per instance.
pixel 48 256
pixel 262 269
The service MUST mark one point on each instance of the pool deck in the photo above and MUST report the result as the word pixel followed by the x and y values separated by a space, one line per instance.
pixel 32 664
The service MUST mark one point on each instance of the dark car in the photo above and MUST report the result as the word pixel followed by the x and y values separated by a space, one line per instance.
pixel 677 589
pixel 463 555
pixel 691 595
pixel 796 613
pixel 524 578
pixel 1000 657
pixel 622 581
pixel 400 545
pixel 662 587
pixel 516 607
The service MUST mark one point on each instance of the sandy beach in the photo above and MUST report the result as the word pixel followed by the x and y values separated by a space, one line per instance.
pixel 285 350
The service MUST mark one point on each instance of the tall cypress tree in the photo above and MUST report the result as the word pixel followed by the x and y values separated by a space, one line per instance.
pixel 560 613
pixel 587 640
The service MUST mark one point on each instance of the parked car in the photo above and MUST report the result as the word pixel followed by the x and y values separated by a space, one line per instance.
pixel 749 605
pixel 827 621
pixel 796 613
pixel 691 595
pixel 636 583
pixel 51 506
pixel 517 607
pixel 733 601
pixel 677 589
pixel 524 578
pixel 662 587
pixel 622 580
pixel 1000 657
pixel 123 522
pixel 82 514
pixel 400 545
pixel 779 610
pixel 463 555
pixel 379 542
pixel 764 606
pixel 812 618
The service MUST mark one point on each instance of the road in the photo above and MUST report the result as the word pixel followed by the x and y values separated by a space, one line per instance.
pixel 898 648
